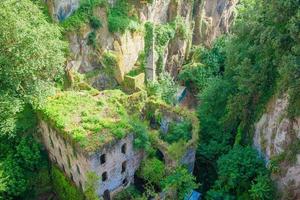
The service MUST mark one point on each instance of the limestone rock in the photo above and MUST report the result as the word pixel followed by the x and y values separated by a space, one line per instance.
pixel 275 134
pixel 62 9
pixel 213 17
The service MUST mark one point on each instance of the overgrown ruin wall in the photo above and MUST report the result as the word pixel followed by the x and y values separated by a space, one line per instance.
pixel 117 179
pixel 60 151
pixel 77 165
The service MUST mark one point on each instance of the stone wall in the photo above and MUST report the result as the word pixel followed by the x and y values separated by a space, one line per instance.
pixel 116 180
pixel 60 151
pixel 77 165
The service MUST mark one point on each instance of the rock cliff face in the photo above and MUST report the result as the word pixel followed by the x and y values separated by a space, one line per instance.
pixel 277 137
pixel 212 18
pixel 62 9
pixel 209 17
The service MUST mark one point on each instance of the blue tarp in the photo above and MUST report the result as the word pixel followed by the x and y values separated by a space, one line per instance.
pixel 193 196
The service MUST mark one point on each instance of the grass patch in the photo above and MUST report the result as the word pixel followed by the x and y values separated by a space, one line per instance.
pixel 89 121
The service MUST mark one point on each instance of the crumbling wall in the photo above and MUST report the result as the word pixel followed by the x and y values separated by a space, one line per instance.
pixel 73 163
pixel 113 165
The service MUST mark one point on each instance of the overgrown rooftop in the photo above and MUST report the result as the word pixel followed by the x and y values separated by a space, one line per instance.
pixel 90 121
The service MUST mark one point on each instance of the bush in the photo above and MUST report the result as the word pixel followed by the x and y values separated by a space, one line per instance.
pixel 92 39
pixel 177 131
pixel 130 193
pixel 165 88
pixel 153 171
pixel 95 22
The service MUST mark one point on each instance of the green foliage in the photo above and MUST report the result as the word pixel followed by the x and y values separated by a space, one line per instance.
pixel 88 120
pixel 177 131
pixel 90 192
pixel 261 188
pixel 121 17
pixel 95 22
pixel 260 60
pixel 130 193
pixel 165 88
pixel 82 15
pixel 149 37
pixel 19 161
pixel 141 140
pixel 31 55
pixel 63 187
pixel 205 64
pixel 110 62
pixel 153 171
pixel 35 54
pixel 92 39
pixel 163 34
pixel 240 173
pixel 180 181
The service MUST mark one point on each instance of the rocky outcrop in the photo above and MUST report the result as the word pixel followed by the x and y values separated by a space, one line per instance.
pixel 277 137
pixel 86 58
pixel 216 15
pixel 178 48
pixel 61 9
pixel 212 18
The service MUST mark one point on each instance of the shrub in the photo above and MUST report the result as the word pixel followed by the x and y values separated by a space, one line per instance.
pixel 91 40
pixel 95 22
pixel 177 131
pixel 153 171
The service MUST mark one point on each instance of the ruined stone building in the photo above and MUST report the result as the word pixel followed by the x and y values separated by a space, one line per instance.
pixel 90 133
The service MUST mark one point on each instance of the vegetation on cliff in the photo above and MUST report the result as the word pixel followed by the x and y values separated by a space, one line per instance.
pixel 234 79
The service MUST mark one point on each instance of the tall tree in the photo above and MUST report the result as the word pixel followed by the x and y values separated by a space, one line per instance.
pixel 31 58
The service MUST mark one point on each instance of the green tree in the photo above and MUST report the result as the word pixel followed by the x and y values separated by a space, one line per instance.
pixel 165 88
pixel 31 58
pixel 180 181
pixel 240 173
pixel 153 171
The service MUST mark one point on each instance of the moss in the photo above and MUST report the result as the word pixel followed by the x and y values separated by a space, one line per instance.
pixel 89 121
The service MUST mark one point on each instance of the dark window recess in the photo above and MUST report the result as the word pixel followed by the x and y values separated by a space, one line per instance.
pixel 60 152
pixel 123 149
pixel 104 176
pixel 125 182
pixel 78 169
pixel 123 167
pixel 51 141
pixel 102 159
